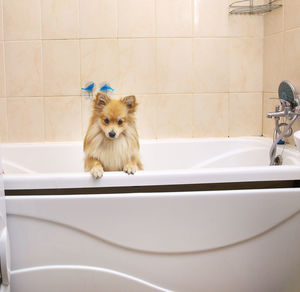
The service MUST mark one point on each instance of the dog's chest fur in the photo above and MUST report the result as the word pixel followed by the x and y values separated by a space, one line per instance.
pixel 114 154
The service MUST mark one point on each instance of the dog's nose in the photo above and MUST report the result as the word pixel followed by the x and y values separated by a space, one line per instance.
pixel 112 134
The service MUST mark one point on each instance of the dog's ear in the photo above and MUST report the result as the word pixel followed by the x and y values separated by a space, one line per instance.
pixel 101 100
pixel 130 102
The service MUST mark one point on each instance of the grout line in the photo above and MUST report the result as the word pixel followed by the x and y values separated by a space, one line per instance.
pixel 292 29
pixel 143 37
pixel 283 15
pixel 155 48
pixel 78 20
pixel 117 19
pixel 4 74
pixel 155 18
pixel 41 21
pixel 80 64
pixel 149 93
pixel 157 97
pixel 193 18
pixel 273 34
pixel 42 71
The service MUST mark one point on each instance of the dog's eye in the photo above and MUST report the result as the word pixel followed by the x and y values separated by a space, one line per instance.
pixel 120 122
pixel 106 121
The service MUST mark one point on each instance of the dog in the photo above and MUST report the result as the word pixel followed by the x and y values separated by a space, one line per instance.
pixel 111 142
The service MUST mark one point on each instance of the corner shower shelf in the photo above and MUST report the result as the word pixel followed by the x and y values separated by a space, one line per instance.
pixel 248 7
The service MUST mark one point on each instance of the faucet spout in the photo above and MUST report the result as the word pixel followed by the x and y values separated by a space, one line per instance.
pixel 276 114
pixel 290 109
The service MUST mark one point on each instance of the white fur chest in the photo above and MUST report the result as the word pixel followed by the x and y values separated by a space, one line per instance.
pixel 114 154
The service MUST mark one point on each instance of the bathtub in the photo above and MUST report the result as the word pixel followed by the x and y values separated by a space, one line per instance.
pixel 205 215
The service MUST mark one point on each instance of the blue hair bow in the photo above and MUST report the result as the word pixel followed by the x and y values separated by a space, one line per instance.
pixel 89 88
pixel 106 88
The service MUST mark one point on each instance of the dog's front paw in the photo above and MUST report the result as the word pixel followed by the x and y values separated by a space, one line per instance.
pixel 97 171
pixel 130 168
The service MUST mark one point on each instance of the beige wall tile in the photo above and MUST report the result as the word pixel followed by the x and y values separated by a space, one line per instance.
pixel 174 65
pixel 211 65
pixel 25 117
pixel 137 66
pixel 2 72
pixel 174 18
pixel 98 18
pixel 210 18
pixel 246 65
pixel 291 14
pixel 61 62
pixel 246 26
pixel 22 19
pixel 175 116
pixel 269 103
pixel 23 64
pixel 273 21
pixel 86 111
pixel 292 57
pixel 273 62
pixel 146 116
pixel 1 20
pixel 245 114
pixel 100 62
pixel 164 72
pixel 211 115
pixel 136 18
pixel 63 118
pixel 59 19
pixel 3 120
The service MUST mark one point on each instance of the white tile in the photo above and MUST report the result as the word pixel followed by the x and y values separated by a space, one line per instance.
pixel 137 66
pixel 246 65
pixel 210 18
pixel 98 18
pixel 22 19
pixel 175 116
pixel 100 62
pixel 63 118
pixel 61 62
pixel 211 115
pixel 60 19
pixel 174 18
pixel 25 117
pixel 23 63
pixel 3 120
pixel 136 18
pixel 245 114
pixel 146 116
pixel 211 65
pixel 174 65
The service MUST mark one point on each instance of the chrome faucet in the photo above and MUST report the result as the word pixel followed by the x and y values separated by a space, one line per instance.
pixel 287 110
pixel 290 110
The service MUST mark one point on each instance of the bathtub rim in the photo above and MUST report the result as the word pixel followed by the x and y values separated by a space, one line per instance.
pixel 153 177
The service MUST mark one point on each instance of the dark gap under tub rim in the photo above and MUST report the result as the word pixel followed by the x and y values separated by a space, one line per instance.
pixel 157 188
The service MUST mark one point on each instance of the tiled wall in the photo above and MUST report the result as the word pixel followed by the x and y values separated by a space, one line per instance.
pixel 281 55
pixel 196 71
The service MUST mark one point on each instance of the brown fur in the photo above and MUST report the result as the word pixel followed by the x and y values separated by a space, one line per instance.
pixel 105 153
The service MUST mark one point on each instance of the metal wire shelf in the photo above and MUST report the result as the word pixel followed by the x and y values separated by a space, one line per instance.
pixel 248 7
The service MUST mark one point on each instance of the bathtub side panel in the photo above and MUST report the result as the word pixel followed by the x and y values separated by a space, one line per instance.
pixel 203 241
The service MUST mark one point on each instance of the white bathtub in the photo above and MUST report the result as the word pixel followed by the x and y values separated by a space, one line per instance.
pixel 205 215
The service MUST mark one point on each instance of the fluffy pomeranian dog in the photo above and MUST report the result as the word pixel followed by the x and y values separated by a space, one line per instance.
pixel 111 142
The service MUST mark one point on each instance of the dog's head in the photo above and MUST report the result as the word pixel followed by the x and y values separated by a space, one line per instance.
pixel 114 115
